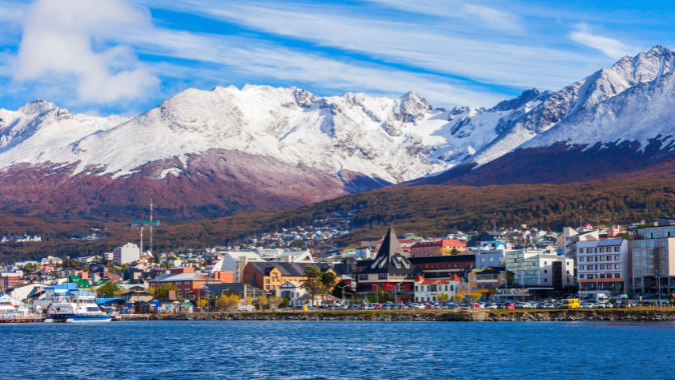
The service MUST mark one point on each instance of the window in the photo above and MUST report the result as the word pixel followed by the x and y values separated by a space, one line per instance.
pixel 267 281
pixel 581 259
pixel 545 270
pixel 581 267
pixel 274 275
pixel 582 276
pixel 363 277
pixel 452 288
pixel 602 266
pixel 568 272
pixel 602 258
pixel 590 277
pixel 473 288
pixel 267 287
pixel 616 249
pixel 382 276
pixel 273 287
pixel 617 266
pixel 546 280
pixel 617 275
pixel 581 250
pixel 417 288
pixel 482 259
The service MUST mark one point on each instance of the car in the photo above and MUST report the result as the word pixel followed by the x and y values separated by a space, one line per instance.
pixel 354 307
pixel 490 306
pixel 509 306
pixel 377 306
pixel 429 306
pixel 477 306
pixel 368 307
pixel 286 309
pixel 418 306
pixel 588 306
pixel 402 307
pixel 310 307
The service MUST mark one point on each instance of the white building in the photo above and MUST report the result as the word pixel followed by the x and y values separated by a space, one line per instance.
pixel 233 261
pixel 295 257
pixel 536 268
pixel 603 266
pixel 294 292
pixel 490 258
pixel 126 254
pixel 430 290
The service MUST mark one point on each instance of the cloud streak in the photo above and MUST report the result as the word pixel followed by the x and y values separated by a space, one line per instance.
pixel 608 46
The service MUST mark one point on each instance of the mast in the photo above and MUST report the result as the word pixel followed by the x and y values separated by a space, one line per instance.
pixel 150 226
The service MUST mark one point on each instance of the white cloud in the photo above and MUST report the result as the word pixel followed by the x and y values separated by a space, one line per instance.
pixel 609 46
pixel 493 18
pixel 68 38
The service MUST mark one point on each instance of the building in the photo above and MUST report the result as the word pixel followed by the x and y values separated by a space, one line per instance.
pixel 370 242
pixel 241 290
pixel 430 290
pixel 294 292
pixel 390 270
pixel 490 258
pixel 233 261
pixel 488 281
pixel 495 239
pixel 539 270
pixel 269 276
pixel 436 248
pixel 653 257
pixel 10 279
pixel 188 282
pixel 444 266
pixel 126 254
pixel 603 266
pixel 568 239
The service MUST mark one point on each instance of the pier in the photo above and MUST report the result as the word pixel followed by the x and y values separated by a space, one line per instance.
pixel 33 318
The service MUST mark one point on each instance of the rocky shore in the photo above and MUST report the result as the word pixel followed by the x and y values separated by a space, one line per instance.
pixel 654 315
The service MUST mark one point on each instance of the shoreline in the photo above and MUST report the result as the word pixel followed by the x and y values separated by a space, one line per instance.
pixel 626 315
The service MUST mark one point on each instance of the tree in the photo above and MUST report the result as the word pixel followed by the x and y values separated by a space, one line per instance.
pixel 163 291
pixel 222 301
pixel 327 282
pixel 473 297
pixel 382 296
pixel 338 289
pixel 201 303
pixel 108 290
pixel 313 282
pixel 454 252
pixel 233 302
pixel 457 298
pixel 260 302
pixel 285 303
pixel 443 297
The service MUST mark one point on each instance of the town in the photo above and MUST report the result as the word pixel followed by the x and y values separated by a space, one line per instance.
pixel 507 268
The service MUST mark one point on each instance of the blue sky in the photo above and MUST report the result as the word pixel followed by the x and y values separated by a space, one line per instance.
pixel 126 56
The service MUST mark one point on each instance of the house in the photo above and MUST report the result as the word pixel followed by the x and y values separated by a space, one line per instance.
pixel 269 276
pixel 233 261
pixel 239 289
pixel 391 269
pixel 188 282
pixel 488 280
pixel 137 296
pixel 444 266
pixel 10 280
pixel 295 257
pixel 294 292
pixel 47 269
pixel 430 290
pixel 369 242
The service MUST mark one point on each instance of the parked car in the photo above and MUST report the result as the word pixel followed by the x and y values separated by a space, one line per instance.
pixel 402 307
pixel 509 306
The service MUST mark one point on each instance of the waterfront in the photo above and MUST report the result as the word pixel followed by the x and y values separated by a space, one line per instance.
pixel 338 350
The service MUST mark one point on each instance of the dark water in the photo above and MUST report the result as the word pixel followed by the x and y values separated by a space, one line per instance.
pixel 338 350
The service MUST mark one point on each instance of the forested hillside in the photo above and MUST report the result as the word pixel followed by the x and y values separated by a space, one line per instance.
pixel 425 210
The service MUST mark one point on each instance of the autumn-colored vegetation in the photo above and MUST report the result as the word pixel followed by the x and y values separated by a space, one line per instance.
pixel 425 210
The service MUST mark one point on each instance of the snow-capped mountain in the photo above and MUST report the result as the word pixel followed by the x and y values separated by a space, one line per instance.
pixel 624 109
pixel 259 147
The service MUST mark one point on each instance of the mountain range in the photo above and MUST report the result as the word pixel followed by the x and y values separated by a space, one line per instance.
pixel 209 153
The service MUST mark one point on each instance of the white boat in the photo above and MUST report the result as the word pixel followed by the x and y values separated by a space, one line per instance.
pixel 74 307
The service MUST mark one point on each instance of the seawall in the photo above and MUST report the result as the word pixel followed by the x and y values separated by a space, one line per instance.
pixel 653 315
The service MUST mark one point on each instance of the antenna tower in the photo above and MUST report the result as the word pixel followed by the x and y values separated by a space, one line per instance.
pixel 150 226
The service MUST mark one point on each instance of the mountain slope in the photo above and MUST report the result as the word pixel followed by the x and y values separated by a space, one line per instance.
pixel 612 124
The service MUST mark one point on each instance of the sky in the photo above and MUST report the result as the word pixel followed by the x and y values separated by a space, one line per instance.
pixel 124 57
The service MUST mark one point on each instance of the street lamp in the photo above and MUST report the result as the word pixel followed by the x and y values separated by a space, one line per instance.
pixel 342 292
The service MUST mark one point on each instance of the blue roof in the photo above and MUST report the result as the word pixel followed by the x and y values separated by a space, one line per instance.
pixel 67 286
pixel 104 300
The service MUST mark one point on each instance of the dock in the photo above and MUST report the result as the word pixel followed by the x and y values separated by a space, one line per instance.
pixel 21 319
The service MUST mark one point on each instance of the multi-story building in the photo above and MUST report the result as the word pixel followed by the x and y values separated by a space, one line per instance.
pixel 490 258
pixel 653 257
pixel 10 280
pixel 603 266
pixel 488 280
pixel 430 290
pixel 126 254
pixel 536 268
pixel 269 276
pixel 436 247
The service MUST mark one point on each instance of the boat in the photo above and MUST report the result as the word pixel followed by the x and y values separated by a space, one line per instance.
pixel 75 306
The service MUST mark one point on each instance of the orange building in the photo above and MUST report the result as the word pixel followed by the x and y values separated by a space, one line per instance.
pixel 269 276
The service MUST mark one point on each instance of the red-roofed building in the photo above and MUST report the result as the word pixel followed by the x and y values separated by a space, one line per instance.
pixel 436 247
pixel 430 290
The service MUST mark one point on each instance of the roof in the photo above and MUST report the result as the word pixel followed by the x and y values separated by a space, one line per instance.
pixel 443 281
pixel 391 258
pixel 287 269
pixel 182 277
pixel 443 259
